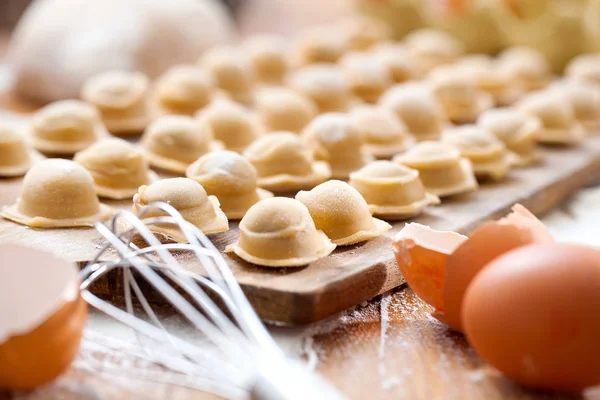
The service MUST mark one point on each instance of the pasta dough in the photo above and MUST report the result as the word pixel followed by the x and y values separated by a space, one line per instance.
pixel 186 196
pixel 391 190
pixel 232 124
pixel 122 100
pixel 518 130
pixel 57 193
pixel 333 137
pixel 526 66
pixel 385 133
pixel 441 168
pixel 280 232
pixel 400 64
pixel 173 142
pixel 585 100
pixel 118 168
pixel 418 108
pixel 585 67
pixel 184 89
pixel 232 70
pixel 368 78
pixel 284 164
pixel 269 57
pixel 433 48
pixel 65 127
pixel 487 153
pixel 342 213
pixel 15 156
pixel 282 109
pixel 324 84
pixel 231 178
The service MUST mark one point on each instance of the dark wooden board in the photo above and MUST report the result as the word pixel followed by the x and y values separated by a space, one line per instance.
pixel 355 273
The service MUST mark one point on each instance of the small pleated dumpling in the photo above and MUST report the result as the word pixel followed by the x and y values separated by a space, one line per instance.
pixel 386 135
pixel 335 138
pixel 526 66
pixel 342 213
pixel 284 164
pixel 189 198
pixel 400 64
pixel 392 191
pixel 173 142
pixel 361 33
pixel 368 78
pixel 57 193
pixel 232 124
pixel 324 84
pixel 231 178
pixel 416 105
pixel 433 48
pixel 117 166
pixel 232 70
pixel 65 127
pixel 519 132
pixel 184 89
pixel 269 57
pixel 280 232
pixel 442 169
pixel 557 116
pixel 585 67
pixel 316 45
pixel 490 78
pixel 282 109
pixel 122 100
pixel 458 94
pixel 15 156
pixel 585 100
pixel 487 153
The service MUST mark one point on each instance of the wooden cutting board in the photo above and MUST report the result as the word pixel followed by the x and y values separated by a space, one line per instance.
pixel 351 274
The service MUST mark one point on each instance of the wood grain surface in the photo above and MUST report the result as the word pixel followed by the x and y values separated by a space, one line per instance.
pixel 351 274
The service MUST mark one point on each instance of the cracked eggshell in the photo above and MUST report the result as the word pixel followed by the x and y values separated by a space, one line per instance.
pixel 279 232
pixel 16 157
pixel 57 193
pixel 342 213
pixel 42 316
pixel 117 166
pixel 189 198
pixel 231 178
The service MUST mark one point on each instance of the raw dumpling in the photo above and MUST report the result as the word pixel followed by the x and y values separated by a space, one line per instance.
pixel 280 232
pixel 118 168
pixel 334 137
pixel 282 109
pixel 416 105
pixel 186 196
pixel 368 78
pixel 184 89
pixel 385 133
pixel 284 164
pixel 585 67
pixel 557 116
pixel 487 153
pixel 231 178
pixel 441 168
pixel 342 213
pixel 458 94
pixel 232 124
pixel 15 156
pixel 527 67
pixel 401 65
pixel 269 58
pixel 324 84
pixel 316 45
pixel 360 32
pixel 173 142
pixel 232 70
pixel 122 100
pixel 57 193
pixel 585 100
pixel 65 127
pixel 392 191
pixel 433 48
pixel 519 132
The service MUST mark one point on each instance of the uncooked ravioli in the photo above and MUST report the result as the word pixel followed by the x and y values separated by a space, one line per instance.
pixel 184 89
pixel 15 156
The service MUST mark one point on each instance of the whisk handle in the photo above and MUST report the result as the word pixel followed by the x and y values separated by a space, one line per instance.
pixel 290 380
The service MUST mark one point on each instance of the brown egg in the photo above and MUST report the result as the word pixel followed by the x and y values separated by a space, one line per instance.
pixel 533 314
pixel 38 342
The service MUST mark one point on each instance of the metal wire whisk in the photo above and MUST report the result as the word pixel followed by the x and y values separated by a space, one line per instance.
pixel 237 359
